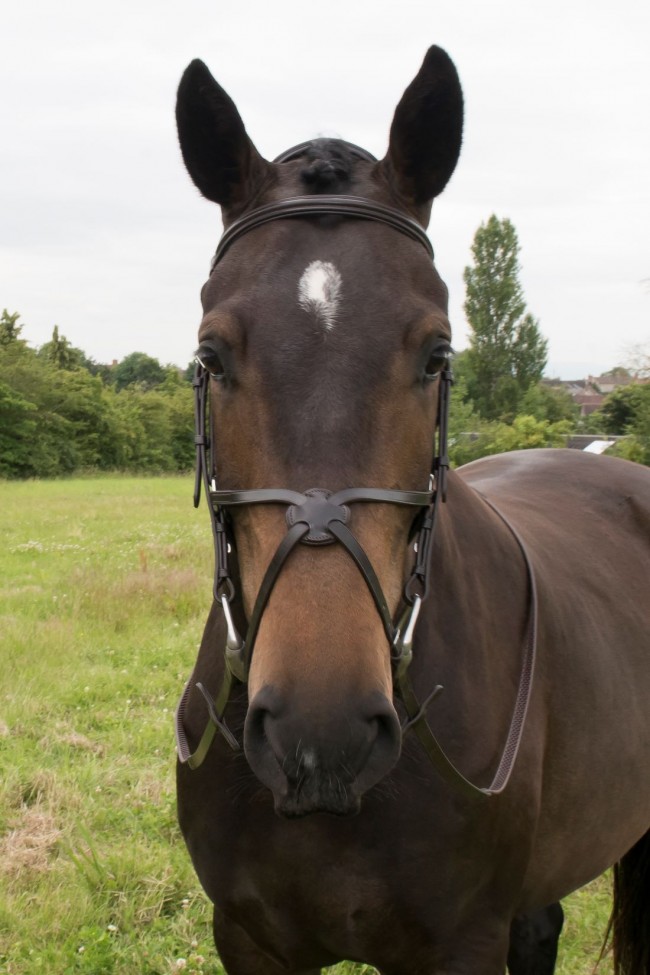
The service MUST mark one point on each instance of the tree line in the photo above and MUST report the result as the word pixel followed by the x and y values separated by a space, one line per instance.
pixel 61 412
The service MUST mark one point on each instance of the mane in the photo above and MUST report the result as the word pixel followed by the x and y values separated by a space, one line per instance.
pixel 329 165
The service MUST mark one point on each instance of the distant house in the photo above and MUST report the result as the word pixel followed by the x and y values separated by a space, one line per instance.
pixel 588 400
pixel 607 382
pixel 590 393
pixel 582 391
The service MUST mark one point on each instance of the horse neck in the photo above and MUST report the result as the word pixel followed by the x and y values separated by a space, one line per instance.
pixel 478 610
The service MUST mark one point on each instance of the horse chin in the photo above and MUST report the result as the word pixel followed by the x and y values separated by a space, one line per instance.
pixel 297 805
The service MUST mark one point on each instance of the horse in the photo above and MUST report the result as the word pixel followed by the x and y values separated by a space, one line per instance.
pixel 419 714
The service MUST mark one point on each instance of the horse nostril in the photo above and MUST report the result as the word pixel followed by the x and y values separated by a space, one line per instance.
pixel 259 740
pixel 386 743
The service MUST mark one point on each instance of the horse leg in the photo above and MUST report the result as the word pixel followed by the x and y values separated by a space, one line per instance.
pixel 478 946
pixel 241 956
pixel 533 941
pixel 629 925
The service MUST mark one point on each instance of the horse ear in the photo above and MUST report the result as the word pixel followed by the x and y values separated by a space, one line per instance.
pixel 221 159
pixel 427 131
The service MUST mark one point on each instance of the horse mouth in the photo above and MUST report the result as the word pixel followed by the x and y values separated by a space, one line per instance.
pixel 318 794
pixel 292 807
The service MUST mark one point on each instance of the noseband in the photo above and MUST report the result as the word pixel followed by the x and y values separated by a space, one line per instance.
pixel 317 517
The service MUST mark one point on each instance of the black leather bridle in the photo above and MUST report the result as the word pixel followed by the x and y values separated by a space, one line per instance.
pixel 318 517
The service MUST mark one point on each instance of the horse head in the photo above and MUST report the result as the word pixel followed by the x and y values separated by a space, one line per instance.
pixel 324 336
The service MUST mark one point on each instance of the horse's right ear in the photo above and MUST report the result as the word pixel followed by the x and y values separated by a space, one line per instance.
pixel 221 159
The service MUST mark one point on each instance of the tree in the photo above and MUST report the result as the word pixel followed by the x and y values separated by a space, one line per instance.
pixel 63 354
pixel 138 369
pixel 58 415
pixel 10 329
pixel 549 403
pixel 526 433
pixel 629 410
pixel 17 429
pixel 507 352
pixel 626 409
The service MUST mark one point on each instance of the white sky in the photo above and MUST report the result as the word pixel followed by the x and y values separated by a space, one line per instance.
pixel 102 232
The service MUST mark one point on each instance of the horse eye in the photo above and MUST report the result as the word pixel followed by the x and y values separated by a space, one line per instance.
pixel 439 358
pixel 208 357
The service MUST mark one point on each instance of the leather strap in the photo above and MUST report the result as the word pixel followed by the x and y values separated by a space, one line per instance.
pixel 256 496
pixel 347 539
pixel 324 204
pixel 215 722
pixel 340 205
pixel 333 525
pixel 239 666
pixel 419 499
pixel 417 713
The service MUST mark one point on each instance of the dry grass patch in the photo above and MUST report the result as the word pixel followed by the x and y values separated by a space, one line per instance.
pixel 75 740
pixel 29 845
pixel 152 582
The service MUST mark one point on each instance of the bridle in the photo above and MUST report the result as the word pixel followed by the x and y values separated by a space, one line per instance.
pixel 317 517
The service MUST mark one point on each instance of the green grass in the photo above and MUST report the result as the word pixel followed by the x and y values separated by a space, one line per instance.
pixel 104 587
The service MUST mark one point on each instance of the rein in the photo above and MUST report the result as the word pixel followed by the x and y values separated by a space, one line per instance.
pixel 318 517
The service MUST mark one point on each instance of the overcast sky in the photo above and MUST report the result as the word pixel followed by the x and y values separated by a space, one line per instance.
pixel 102 232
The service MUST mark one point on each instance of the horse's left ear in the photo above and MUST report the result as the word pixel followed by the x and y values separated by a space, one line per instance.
pixel 427 131
pixel 221 159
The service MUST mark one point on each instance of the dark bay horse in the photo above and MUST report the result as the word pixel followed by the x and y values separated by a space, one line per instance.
pixel 431 718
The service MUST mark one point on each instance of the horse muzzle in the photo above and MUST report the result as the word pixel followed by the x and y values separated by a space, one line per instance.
pixel 320 762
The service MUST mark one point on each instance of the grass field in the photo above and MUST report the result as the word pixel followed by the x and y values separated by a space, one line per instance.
pixel 104 586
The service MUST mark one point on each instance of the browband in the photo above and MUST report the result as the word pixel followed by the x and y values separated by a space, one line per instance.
pixel 315 206
pixel 340 205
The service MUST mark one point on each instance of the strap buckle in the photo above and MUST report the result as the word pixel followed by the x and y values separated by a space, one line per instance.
pixel 403 640
pixel 235 645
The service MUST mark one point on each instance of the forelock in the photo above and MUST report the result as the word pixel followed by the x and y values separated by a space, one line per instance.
pixel 329 164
